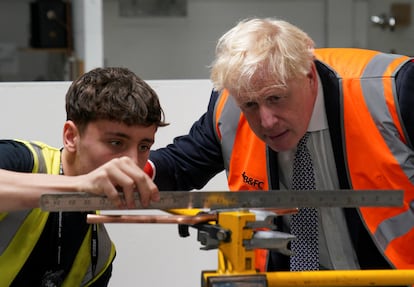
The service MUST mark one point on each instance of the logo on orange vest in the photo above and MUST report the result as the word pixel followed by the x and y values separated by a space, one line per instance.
pixel 252 181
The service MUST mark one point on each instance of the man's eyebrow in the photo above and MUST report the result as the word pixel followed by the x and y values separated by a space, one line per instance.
pixel 258 92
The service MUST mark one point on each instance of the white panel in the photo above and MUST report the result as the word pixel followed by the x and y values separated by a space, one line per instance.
pixel 33 111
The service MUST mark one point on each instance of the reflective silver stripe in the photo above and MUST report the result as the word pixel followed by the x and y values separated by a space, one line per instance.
pixel 395 227
pixel 104 247
pixel 9 226
pixel 371 83
pixel 374 95
pixel 42 164
pixel 227 123
pixel 13 220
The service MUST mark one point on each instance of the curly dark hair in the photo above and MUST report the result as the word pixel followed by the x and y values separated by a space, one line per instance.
pixel 115 94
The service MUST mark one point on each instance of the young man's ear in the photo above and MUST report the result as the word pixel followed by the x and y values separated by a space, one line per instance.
pixel 70 136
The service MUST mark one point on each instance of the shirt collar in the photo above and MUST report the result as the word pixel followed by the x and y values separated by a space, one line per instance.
pixel 318 120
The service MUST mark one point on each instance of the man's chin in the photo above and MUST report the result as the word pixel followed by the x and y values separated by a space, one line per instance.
pixel 279 145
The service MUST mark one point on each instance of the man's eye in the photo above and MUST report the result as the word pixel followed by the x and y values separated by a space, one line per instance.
pixel 249 105
pixel 274 99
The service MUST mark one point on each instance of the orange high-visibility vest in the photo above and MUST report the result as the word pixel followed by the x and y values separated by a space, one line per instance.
pixel 376 150
pixel 377 156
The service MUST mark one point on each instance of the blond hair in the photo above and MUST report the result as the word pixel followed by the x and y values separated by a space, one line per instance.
pixel 261 48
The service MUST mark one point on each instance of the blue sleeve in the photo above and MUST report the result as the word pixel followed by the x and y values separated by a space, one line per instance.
pixel 191 160
pixel 15 156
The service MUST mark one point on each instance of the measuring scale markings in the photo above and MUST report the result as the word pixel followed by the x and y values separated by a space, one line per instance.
pixel 224 199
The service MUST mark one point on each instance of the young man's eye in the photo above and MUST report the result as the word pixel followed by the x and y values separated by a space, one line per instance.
pixel 115 143
pixel 144 148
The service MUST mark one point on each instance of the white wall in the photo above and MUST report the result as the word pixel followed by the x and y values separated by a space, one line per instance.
pixel 148 254
pixel 165 48
pixel 182 48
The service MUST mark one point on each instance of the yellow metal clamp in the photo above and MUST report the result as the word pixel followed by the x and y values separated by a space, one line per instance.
pixel 233 257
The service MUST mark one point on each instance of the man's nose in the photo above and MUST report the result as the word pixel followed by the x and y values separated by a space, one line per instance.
pixel 267 117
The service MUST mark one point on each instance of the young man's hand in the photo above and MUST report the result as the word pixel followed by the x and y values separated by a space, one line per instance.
pixel 121 174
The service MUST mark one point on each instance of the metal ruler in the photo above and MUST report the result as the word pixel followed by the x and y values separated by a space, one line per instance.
pixel 78 201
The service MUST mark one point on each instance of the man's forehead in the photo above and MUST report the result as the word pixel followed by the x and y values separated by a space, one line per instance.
pixel 264 90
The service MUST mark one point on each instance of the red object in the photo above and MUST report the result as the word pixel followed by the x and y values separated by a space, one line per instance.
pixel 149 169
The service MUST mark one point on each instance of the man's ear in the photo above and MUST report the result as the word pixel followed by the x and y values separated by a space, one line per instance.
pixel 313 78
pixel 70 136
